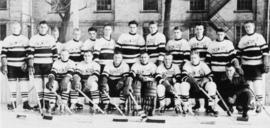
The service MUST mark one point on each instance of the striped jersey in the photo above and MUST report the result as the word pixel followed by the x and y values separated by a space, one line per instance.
pixel 130 45
pixel 74 49
pixel 116 72
pixel 200 45
pixel 180 50
pixel 219 54
pixel 15 48
pixel 198 72
pixel 43 49
pixel 155 46
pixel 88 45
pixel 148 69
pixel 169 72
pixel 62 68
pixel 85 69
pixel 251 49
pixel 104 49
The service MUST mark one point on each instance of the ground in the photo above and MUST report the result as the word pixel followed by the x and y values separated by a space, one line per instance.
pixel 86 120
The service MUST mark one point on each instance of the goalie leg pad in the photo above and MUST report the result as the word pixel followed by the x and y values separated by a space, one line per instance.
pixel 137 86
pixel 184 88
pixel 149 104
pixel 211 88
pixel 161 94
pixel 149 89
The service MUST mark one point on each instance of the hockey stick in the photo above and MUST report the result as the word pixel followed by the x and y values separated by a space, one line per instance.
pixel 121 112
pixel 267 113
pixel 224 103
pixel 62 103
pixel 31 80
pixel 91 101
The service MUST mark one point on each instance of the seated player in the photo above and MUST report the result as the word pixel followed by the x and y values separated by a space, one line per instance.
pixel 113 80
pixel 166 79
pixel 87 72
pixel 235 91
pixel 144 84
pixel 61 73
pixel 197 74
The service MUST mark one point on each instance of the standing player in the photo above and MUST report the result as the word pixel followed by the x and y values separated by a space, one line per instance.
pixel 144 83
pixel 130 44
pixel 43 53
pixel 253 51
pixel 104 47
pixel 14 63
pixel 200 42
pixel 113 80
pixel 167 74
pixel 197 73
pixel 155 44
pixel 74 46
pixel 55 34
pixel 87 72
pixel 89 44
pixel 178 47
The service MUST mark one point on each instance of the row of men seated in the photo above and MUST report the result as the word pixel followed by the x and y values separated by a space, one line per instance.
pixel 145 81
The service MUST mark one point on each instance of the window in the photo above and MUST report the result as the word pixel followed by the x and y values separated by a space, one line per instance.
pixel 104 5
pixel 244 4
pixel 3 31
pixel 197 4
pixel 239 32
pixel 150 5
pixel 3 4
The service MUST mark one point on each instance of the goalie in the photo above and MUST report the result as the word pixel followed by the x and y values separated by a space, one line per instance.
pixel 197 78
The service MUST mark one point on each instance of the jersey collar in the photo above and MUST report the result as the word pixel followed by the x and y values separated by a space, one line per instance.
pixel 167 67
pixel 16 34
pixel 199 39
pixel 196 64
pixel 75 40
pixel 178 39
pixel 117 65
pixel 65 61
pixel 251 34
pixel 92 39
pixel 133 34
pixel 42 34
pixel 152 34
pixel 107 39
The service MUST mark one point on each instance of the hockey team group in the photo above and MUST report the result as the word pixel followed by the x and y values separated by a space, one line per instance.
pixel 142 72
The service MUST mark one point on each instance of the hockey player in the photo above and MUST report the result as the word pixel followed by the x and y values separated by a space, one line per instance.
pixel 113 80
pixel 155 44
pixel 130 44
pixel 200 42
pixel 144 83
pixel 15 63
pixel 104 47
pixel 196 73
pixel 87 72
pixel 55 34
pixel 178 47
pixel 61 74
pixel 235 90
pixel 166 76
pixel 74 46
pixel 43 53
pixel 89 44
pixel 253 51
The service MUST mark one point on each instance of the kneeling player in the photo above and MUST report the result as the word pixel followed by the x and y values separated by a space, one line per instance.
pixel 61 73
pixel 166 79
pixel 236 91
pixel 197 75
pixel 88 73
pixel 113 80
pixel 143 73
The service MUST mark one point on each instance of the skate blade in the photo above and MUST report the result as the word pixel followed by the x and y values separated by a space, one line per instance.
pixel 241 119
pixel 120 120
pixel 21 116
pixel 208 122
pixel 46 117
pixel 155 121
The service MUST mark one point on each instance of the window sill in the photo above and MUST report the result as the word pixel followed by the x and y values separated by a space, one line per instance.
pixel 3 9
pixel 103 11
pixel 243 11
pixel 149 11
pixel 197 11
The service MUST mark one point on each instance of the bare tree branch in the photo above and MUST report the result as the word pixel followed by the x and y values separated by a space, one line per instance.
pixel 47 1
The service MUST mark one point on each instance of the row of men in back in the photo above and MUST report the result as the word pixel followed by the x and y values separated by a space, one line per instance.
pixel 41 51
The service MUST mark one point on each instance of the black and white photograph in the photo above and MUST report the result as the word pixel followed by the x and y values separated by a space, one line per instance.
pixel 134 63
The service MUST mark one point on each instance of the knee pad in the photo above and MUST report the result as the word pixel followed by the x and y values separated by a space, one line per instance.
pixel 150 89
pixel 211 88
pixel 161 90
pixel 91 84
pixel 184 88
pixel 136 86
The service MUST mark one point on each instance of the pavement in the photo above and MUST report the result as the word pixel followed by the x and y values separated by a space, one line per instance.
pixel 85 120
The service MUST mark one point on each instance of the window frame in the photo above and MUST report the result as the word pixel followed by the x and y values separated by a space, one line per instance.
pixel 104 10
pixel 244 8
pixel 239 32
pixel 6 7
pixel 150 10
pixel 200 9
pixel 2 37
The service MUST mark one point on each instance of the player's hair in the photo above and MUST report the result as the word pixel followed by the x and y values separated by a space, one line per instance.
pixel 64 50
pixel 194 52
pixel 200 24
pixel 177 28
pixel 133 22
pixel 43 22
pixel 143 52
pixel 229 65
pixel 76 30
pixel 117 51
pixel 249 21
pixel 220 30
pixel 92 29
pixel 86 52
pixel 153 22
pixel 107 24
